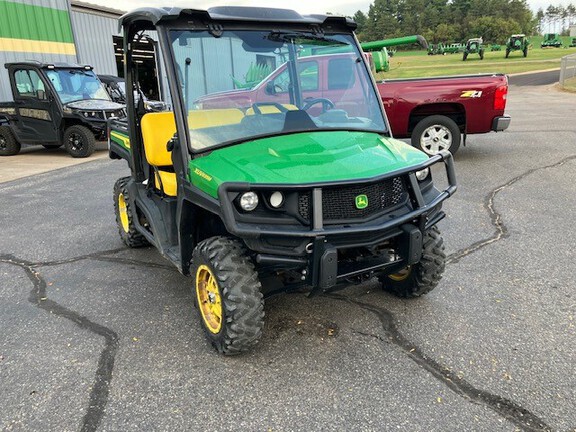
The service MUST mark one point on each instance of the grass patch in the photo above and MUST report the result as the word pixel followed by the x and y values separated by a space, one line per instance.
pixel 570 85
pixel 419 64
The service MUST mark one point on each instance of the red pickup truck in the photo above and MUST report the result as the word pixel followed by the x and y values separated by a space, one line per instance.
pixel 433 112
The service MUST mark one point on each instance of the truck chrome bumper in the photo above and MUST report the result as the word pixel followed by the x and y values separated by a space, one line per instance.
pixel 500 123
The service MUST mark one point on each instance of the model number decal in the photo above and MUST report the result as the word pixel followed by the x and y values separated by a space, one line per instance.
pixel 202 174
pixel 471 94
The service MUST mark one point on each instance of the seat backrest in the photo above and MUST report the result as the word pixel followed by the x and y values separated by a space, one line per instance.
pixel 200 119
pixel 157 129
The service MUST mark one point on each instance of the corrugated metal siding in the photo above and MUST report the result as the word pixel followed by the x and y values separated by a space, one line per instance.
pixel 93 34
pixel 36 30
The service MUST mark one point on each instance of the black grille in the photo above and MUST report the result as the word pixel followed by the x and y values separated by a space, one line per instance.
pixel 340 203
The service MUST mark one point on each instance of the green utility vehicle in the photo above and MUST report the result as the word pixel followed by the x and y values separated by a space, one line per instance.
pixel 517 42
pixel 551 40
pixel 473 46
pixel 285 193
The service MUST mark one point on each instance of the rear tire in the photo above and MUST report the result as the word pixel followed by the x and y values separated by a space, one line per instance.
pixel 228 294
pixel 423 277
pixel 435 133
pixel 9 146
pixel 79 141
pixel 125 215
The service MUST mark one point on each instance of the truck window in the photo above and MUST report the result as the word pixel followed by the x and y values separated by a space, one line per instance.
pixel 340 74
pixel 28 83
pixel 308 77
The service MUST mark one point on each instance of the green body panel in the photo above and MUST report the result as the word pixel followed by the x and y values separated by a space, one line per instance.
pixel 121 139
pixel 24 21
pixel 302 158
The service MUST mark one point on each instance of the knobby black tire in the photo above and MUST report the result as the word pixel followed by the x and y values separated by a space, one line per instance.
pixel 132 238
pixel 9 145
pixel 240 290
pixel 425 275
pixel 88 141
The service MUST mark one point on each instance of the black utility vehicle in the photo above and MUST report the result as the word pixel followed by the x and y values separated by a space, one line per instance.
pixel 55 104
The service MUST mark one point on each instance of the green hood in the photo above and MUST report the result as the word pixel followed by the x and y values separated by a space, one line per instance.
pixel 303 158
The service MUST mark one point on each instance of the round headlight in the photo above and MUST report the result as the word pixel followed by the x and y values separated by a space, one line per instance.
pixel 249 201
pixel 276 199
pixel 421 175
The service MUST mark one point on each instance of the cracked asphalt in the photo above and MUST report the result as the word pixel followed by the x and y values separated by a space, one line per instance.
pixel 95 336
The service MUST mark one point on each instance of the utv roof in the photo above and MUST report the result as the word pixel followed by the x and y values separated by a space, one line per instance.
pixel 231 13
pixel 518 35
pixel 56 65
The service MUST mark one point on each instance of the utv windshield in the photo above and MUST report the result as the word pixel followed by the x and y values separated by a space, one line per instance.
pixel 73 85
pixel 252 84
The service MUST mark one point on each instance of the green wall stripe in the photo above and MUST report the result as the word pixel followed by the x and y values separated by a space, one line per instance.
pixel 23 21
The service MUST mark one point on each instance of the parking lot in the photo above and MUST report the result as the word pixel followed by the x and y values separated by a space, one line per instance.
pixel 96 336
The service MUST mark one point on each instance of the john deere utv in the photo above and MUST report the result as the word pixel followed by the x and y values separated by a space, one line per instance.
pixel 292 191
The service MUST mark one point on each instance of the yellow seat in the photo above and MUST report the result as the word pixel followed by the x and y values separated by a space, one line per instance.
pixel 199 119
pixel 271 109
pixel 157 129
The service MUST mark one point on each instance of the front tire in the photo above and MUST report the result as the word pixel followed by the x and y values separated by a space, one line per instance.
pixel 125 215
pixel 228 293
pixel 79 141
pixel 423 277
pixel 435 133
pixel 9 146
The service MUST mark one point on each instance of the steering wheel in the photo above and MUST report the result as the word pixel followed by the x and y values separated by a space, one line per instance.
pixel 327 104
pixel 256 107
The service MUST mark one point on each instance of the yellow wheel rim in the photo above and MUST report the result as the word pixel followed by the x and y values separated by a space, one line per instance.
pixel 209 299
pixel 401 275
pixel 123 210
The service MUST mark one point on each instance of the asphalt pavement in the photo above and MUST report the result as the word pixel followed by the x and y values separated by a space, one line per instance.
pixel 96 336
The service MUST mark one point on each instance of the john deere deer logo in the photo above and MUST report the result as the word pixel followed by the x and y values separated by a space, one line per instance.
pixel 361 202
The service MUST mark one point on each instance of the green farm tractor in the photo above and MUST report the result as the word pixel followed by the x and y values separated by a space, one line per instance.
pixel 473 46
pixel 517 42
pixel 551 40
pixel 437 49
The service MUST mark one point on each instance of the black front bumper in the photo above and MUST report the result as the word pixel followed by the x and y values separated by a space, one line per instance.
pixel 313 248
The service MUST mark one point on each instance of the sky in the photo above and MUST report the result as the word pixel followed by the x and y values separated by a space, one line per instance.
pixel 346 7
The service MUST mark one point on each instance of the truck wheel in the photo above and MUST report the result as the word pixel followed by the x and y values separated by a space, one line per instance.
pixel 79 141
pixel 423 277
pixel 124 215
pixel 228 295
pixel 435 133
pixel 8 144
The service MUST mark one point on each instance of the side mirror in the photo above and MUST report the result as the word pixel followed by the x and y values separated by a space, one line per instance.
pixel 270 89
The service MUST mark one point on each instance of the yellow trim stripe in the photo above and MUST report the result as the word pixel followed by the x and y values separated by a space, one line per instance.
pixel 125 140
pixel 34 46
